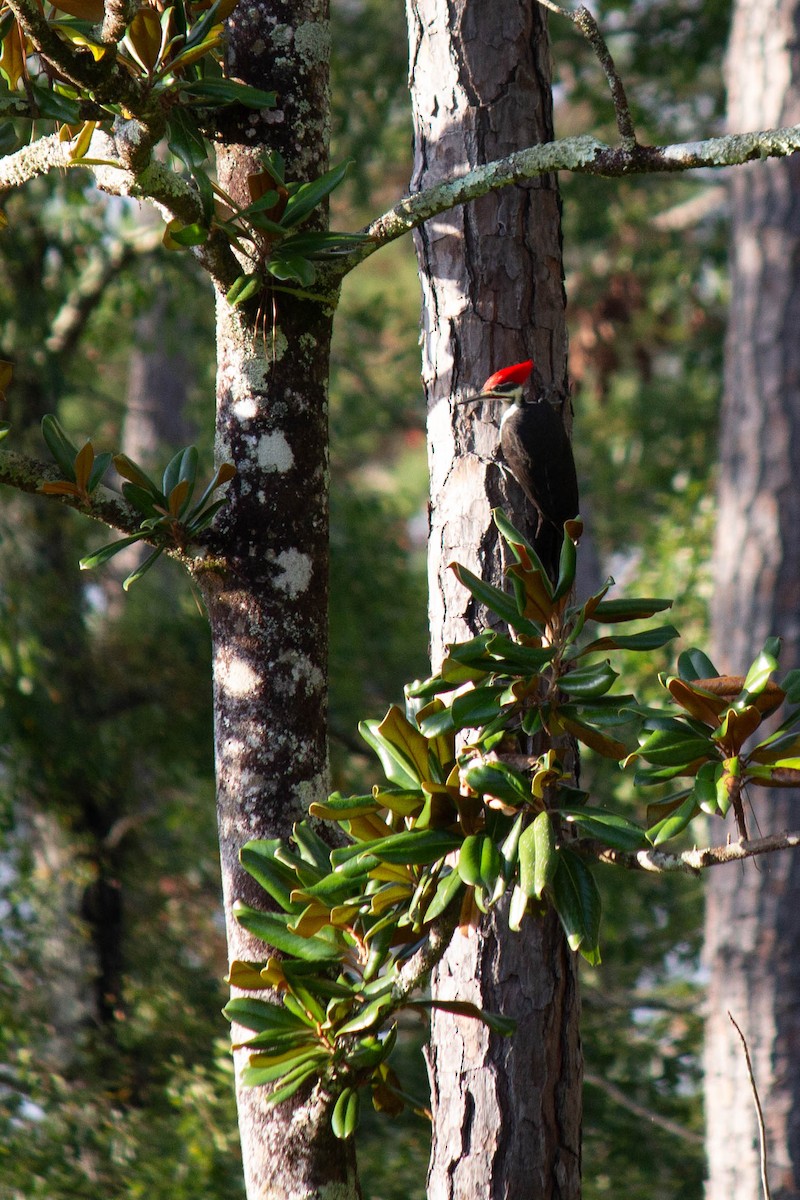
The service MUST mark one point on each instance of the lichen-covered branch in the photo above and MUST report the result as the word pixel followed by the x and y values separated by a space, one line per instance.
pixel 27 475
pixel 691 862
pixel 584 155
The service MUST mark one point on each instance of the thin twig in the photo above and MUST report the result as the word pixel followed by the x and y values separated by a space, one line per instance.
pixel 639 1110
pixel 589 28
pixel 762 1133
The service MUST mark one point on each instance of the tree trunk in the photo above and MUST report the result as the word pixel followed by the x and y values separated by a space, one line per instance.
pixel 506 1114
pixel 266 591
pixel 753 912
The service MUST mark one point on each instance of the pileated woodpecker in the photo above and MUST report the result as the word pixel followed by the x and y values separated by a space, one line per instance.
pixel 535 445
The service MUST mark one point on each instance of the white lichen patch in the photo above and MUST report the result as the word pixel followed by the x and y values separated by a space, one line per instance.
pixel 245 409
pixel 274 453
pixel 235 676
pixel 293 572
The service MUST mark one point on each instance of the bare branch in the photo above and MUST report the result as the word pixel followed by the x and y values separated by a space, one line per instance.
pixel 71 318
pixel 691 862
pixel 638 1110
pixel 591 31
pixel 762 1133
pixel 584 155
pixel 415 972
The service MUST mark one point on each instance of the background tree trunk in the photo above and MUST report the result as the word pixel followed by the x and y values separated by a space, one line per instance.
pixel 753 912
pixel 506 1114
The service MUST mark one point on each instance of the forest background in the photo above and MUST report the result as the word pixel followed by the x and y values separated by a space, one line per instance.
pixel 116 1077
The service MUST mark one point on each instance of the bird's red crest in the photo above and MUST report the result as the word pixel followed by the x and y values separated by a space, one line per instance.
pixel 519 373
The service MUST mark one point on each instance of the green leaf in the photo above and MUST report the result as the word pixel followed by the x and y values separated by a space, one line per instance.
pixel 546 854
pixel 611 828
pixel 694 664
pixel 566 568
pixel 633 609
pixel 760 671
pixel 321 244
pixel 141 570
pixel 672 748
pixel 293 1081
pixel 577 902
pixel 505 1026
pixel 190 235
pixel 284 266
pixel 791 685
pixel 99 467
pixel 185 139
pixel 262 1016
pixel 401 748
pixel 705 787
pixel 344 1118
pixel 498 602
pixel 106 552
pixel 497 779
pixel 131 471
pixel 675 823
pixel 219 92
pixel 277 880
pixel 257 1074
pixel 271 928
pixel 648 639
pixel 243 289
pixel 413 847
pixel 54 106
pixel 469 859
pixel 308 196
pixel 62 449
pixel 201 28
pixel 181 468
pixel 474 708
pixel 446 891
pixel 588 682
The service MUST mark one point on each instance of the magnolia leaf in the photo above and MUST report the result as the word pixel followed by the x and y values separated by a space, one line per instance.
pixel 632 609
pixel 505 1026
pixel 577 902
pixel 271 928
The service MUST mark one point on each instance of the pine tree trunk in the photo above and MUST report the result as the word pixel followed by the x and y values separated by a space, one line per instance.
pixel 753 912
pixel 266 589
pixel 506 1114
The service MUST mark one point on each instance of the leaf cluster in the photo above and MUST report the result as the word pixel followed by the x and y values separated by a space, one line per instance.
pixel 445 838
pixel 170 514
pixel 712 740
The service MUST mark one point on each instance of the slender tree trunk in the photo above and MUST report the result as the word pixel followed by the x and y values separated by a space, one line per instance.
pixel 753 912
pixel 506 1114
pixel 266 591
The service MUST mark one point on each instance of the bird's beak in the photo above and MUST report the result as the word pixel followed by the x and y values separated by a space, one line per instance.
pixel 475 399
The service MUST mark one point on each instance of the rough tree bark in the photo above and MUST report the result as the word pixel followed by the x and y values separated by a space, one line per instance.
pixel 753 912
pixel 266 588
pixel 506 1114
